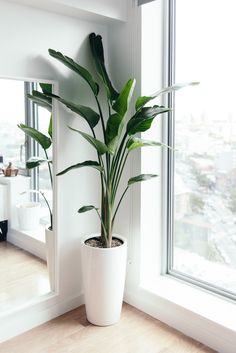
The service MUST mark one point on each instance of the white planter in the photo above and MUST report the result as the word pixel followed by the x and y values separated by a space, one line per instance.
pixel 50 256
pixel 103 271
pixel 28 215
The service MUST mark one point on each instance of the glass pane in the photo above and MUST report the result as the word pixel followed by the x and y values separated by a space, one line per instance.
pixel 205 133
pixel 12 112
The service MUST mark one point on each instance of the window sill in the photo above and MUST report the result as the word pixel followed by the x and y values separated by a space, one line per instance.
pixel 209 306
pixel 36 234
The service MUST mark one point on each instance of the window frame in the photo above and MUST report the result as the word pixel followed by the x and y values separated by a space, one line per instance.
pixel 169 167
pixel 32 148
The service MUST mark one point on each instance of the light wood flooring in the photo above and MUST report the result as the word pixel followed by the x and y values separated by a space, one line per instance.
pixel 23 277
pixel 135 333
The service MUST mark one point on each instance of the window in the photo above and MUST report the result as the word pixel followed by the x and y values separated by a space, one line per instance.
pixel 39 117
pixel 12 141
pixel 202 170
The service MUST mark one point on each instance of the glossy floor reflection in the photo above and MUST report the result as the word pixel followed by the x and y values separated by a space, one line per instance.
pixel 23 277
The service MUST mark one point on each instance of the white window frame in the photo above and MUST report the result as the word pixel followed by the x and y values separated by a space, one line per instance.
pixel 170 167
pixel 198 313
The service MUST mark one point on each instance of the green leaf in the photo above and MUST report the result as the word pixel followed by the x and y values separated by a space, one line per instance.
pixel 92 164
pixel 50 127
pixel 41 99
pixel 143 119
pixel 99 145
pixel 115 122
pixel 136 142
pixel 34 162
pixel 141 101
pixel 141 177
pixel 46 87
pixel 80 70
pixel 87 113
pixel 98 57
pixel 87 208
pixel 174 88
pixel 42 139
pixel 113 131
pixel 121 105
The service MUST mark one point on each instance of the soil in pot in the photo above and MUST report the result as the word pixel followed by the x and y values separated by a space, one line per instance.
pixel 96 242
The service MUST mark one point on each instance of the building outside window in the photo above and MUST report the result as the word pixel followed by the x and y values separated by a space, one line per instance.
pixel 202 221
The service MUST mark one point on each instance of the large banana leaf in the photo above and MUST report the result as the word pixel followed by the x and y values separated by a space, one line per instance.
pixel 50 127
pixel 136 142
pixel 98 145
pixel 34 162
pixel 42 139
pixel 87 208
pixel 41 99
pixel 115 121
pixel 113 131
pixel 46 87
pixel 87 113
pixel 92 164
pixel 80 70
pixel 141 177
pixel 143 119
pixel 121 105
pixel 141 101
pixel 98 57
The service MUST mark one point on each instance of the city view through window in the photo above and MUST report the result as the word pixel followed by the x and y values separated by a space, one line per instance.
pixel 205 139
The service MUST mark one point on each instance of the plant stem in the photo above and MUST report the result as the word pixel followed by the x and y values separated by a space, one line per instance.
pixel 49 169
pixel 116 158
pixel 119 175
pixel 122 196
pixel 49 208
pixel 51 181
pixel 103 226
pixel 102 119
pixel 102 180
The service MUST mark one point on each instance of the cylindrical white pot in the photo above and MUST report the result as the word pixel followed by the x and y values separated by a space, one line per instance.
pixel 50 256
pixel 103 271
pixel 28 215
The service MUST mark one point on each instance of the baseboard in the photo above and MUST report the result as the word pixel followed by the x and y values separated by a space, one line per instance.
pixel 25 319
pixel 209 333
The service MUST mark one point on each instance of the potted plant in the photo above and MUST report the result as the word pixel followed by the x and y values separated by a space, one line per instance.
pixel 42 99
pixel 104 254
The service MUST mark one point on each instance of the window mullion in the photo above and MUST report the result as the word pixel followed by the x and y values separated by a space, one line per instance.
pixel 32 148
pixel 170 137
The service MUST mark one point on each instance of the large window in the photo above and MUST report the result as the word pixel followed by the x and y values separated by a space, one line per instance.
pixel 202 173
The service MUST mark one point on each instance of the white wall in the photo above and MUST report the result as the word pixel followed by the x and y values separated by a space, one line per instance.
pixel 101 10
pixel 26 34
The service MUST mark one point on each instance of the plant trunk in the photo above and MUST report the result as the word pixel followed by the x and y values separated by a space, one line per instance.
pixel 107 219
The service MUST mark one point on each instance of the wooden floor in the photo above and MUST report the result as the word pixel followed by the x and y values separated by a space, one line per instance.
pixel 135 333
pixel 23 277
